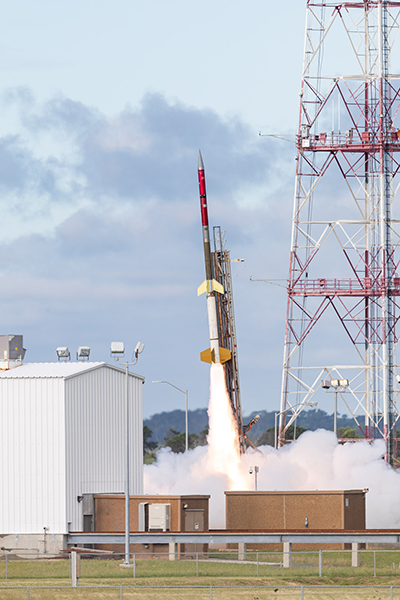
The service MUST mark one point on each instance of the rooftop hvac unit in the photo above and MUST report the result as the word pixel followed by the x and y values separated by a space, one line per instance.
pixel 159 517
pixel 12 351
pixel 11 347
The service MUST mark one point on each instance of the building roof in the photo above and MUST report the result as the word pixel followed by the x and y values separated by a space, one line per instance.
pixel 295 493
pixel 63 370
pixel 152 497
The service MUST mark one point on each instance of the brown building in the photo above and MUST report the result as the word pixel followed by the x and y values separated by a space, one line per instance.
pixel 152 513
pixel 338 510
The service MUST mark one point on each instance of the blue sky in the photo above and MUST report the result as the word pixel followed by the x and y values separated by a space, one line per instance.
pixel 231 56
pixel 103 109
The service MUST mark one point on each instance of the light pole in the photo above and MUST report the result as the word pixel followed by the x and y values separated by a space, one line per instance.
pixel 312 404
pixel 338 385
pixel 186 405
pixel 117 350
pixel 256 470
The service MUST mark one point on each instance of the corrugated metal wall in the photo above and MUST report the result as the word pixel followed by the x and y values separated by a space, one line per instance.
pixel 95 437
pixel 32 459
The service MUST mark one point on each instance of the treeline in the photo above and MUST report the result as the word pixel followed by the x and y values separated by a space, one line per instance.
pixel 168 428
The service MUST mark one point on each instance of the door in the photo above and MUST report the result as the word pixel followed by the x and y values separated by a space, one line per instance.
pixel 194 521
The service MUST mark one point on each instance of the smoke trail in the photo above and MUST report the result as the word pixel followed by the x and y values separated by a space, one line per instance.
pixel 210 469
pixel 313 462
pixel 223 445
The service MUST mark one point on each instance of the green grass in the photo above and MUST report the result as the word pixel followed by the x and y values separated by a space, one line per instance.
pixel 336 570
pixel 244 592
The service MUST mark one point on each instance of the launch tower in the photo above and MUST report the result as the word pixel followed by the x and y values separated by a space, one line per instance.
pixel 226 325
pixel 344 281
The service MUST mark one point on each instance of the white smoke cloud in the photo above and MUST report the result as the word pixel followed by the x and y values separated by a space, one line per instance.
pixel 316 461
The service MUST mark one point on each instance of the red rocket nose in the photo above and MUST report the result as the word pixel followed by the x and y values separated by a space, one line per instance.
pixel 202 190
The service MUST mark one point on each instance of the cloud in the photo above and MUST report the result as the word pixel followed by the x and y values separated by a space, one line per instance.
pixel 19 171
pixel 102 237
pixel 151 151
pixel 106 241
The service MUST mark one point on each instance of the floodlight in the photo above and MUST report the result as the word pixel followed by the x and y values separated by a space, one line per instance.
pixel 325 384
pixel 63 352
pixel 83 352
pixel 312 404
pixel 335 383
pixel 251 470
pixel 398 378
pixel 117 348
pixel 139 348
pixel 344 383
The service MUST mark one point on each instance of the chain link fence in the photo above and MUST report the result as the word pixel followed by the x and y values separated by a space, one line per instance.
pixel 108 566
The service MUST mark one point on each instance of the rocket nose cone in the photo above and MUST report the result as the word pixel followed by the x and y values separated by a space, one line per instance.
pixel 200 165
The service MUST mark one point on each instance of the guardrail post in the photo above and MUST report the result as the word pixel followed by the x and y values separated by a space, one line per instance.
pixel 287 554
pixel 302 593
pixel 75 569
pixel 6 566
pixel 210 592
pixel 27 593
pixel 355 554
pixel 257 564
pixel 241 551
pixel 172 550
pixel 197 564
pixel 134 566
pixel 320 563
pixel 374 563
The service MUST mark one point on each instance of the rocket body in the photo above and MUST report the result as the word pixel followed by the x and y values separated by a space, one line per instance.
pixel 204 218
pixel 210 286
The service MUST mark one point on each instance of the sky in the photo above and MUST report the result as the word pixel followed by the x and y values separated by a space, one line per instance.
pixel 103 109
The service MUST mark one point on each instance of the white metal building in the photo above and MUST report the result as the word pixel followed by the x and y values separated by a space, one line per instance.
pixel 62 436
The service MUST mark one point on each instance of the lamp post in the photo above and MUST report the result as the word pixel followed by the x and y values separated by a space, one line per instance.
pixel 186 408
pixel 117 349
pixel 338 385
pixel 312 404
pixel 256 470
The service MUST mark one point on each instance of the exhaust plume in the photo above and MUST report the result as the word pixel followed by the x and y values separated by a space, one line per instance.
pixel 316 461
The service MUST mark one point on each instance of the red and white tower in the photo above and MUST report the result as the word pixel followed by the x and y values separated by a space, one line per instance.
pixel 344 280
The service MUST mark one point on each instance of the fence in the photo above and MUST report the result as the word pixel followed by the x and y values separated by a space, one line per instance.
pixel 107 567
pixel 209 592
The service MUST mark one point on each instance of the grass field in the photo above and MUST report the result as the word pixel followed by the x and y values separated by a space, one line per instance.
pixel 247 591
pixel 161 579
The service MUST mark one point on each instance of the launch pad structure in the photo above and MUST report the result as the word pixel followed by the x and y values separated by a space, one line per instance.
pixel 226 325
pixel 221 320
pixel 344 281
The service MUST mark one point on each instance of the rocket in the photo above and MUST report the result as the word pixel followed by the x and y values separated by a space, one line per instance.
pixel 214 354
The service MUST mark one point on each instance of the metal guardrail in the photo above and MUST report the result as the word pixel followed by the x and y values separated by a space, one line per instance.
pixel 308 537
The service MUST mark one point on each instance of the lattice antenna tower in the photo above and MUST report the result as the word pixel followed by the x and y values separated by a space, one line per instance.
pixel 343 285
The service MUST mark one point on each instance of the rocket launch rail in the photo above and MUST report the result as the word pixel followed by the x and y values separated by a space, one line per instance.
pixel 221 318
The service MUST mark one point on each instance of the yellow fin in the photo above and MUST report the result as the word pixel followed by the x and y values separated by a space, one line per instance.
pixel 207 286
pixel 224 354
pixel 207 356
pixel 203 288
pixel 217 287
